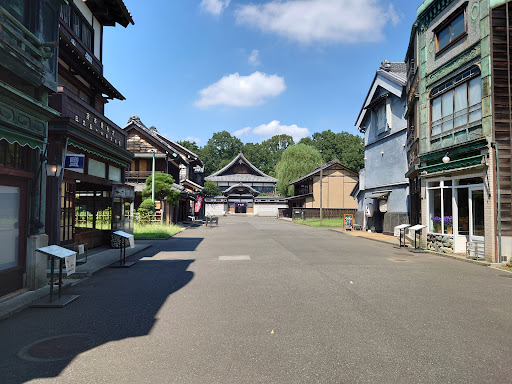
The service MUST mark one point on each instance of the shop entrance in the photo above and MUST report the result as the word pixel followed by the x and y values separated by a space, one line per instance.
pixel 240 207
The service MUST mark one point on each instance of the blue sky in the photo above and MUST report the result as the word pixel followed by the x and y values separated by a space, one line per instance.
pixel 253 68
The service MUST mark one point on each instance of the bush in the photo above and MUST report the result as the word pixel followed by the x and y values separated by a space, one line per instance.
pixel 147 206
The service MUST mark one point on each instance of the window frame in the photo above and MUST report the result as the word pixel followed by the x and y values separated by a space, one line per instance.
pixel 448 24
pixel 76 16
pixel 437 93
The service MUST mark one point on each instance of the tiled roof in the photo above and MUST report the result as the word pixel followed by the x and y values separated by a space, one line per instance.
pixel 317 170
pixel 240 158
pixel 242 177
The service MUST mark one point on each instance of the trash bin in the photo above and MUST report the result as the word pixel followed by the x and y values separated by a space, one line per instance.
pixel 297 214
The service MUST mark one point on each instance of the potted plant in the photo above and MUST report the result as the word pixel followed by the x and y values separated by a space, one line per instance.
pixel 448 224
pixel 436 224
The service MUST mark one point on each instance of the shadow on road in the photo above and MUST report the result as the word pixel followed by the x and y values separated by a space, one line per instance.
pixel 114 304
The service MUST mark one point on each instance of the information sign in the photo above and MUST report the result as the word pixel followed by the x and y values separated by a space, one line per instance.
pixel 348 222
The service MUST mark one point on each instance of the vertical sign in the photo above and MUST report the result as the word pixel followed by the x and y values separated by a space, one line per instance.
pixel 347 222
pixel 199 203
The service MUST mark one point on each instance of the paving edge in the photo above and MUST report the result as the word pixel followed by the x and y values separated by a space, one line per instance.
pixel 21 302
pixel 447 255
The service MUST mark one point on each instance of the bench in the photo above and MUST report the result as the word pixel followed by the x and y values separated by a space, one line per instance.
pixel 211 220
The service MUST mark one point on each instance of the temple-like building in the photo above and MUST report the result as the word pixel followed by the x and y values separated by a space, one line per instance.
pixel 244 190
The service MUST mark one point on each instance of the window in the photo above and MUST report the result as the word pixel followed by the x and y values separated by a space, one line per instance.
pixel 82 29
pixel 114 173
pixel 96 168
pixel 457 103
pixel 380 118
pixel 451 32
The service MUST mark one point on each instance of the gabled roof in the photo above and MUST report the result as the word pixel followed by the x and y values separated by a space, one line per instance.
pixel 334 162
pixel 186 155
pixel 243 177
pixel 392 76
pixel 240 187
pixel 191 183
pixel 110 12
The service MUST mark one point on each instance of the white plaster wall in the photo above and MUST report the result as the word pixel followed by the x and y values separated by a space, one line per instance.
pixel 506 247
pixel 214 209
pixel 268 209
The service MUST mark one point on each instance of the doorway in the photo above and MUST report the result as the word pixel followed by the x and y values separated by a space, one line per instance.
pixel 240 207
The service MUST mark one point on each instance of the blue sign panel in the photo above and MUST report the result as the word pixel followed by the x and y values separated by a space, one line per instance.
pixel 75 162
pixel 240 204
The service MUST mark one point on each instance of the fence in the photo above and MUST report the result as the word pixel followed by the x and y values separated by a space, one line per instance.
pixel 327 213
pixel 84 219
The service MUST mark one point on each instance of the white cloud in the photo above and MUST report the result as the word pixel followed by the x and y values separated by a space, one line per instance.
pixel 241 91
pixel 193 139
pixel 215 7
pixel 309 21
pixel 274 128
pixel 254 57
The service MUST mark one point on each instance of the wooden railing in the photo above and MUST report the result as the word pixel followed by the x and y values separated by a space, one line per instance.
pixel 139 176
pixel 69 36
pixel 24 42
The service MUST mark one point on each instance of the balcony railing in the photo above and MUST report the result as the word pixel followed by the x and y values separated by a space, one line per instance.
pixel 138 176
pixel 86 118
pixel 67 36
pixel 23 42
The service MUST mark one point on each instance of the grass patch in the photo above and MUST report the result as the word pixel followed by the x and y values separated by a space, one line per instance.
pixel 155 231
pixel 506 267
pixel 325 222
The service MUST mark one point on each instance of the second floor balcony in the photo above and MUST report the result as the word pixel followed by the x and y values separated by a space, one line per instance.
pixel 85 120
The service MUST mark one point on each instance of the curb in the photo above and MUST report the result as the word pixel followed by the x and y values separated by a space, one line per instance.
pixel 19 303
pixel 447 255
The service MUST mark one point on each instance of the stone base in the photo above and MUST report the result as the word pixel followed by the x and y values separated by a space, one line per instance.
pixel 440 243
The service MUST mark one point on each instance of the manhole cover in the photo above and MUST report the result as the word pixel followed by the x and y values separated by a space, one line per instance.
pixel 57 347
pixel 509 275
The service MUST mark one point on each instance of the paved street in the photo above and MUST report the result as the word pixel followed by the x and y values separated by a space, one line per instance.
pixel 261 300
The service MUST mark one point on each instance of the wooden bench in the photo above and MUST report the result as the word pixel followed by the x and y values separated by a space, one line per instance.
pixel 211 220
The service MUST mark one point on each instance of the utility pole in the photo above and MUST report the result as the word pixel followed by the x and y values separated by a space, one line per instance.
pixel 321 192
pixel 153 183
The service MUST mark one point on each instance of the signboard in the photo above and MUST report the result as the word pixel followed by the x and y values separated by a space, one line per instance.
pixel 240 204
pixel 70 264
pixel 383 206
pixel 347 221
pixel 74 162
pixel 123 191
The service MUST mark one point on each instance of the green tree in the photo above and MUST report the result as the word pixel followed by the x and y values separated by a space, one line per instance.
pixel 190 145
pixel 348 148
pixel 266 155
pixel 163 188
pixel 219 151
pixel 297 161
pixel 210 188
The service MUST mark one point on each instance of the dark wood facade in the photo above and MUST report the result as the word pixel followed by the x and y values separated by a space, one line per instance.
pixel 501 36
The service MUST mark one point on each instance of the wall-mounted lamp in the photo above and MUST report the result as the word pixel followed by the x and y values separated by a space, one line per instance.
pixel 446 158
pixel 53 170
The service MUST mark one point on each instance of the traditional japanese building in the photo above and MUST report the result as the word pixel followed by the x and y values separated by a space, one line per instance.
pixel 182 164
pixel 28 72
pixel 245 189
pixel 337 182
pixel 89 199
pixel 382 191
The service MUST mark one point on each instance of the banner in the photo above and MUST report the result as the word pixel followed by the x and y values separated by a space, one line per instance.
pixel 74 162
pixel 199 203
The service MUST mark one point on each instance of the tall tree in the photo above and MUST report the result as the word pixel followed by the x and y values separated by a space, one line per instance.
pixel 190 145
pixel 219 151
pixel 266 155
pixel 297 161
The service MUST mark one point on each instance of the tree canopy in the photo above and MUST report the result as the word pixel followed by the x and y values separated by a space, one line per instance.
pixel 163 188
pixel 298 160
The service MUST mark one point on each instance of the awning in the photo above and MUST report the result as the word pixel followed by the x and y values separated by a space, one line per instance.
pixel 21 138
pixel 452 165
pixel 378 195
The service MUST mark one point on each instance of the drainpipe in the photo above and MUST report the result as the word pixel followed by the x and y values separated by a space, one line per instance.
pixel 495 146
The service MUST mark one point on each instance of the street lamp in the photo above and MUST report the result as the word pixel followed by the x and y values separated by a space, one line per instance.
pixel 153 182
pixel 53 170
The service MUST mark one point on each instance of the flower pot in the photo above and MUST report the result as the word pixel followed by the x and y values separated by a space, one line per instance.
pixel 449 230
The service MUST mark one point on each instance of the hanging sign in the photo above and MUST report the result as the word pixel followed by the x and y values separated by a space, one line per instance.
pixel 74 162
pixel 199 203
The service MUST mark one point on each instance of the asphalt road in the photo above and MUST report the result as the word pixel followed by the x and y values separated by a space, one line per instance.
pixel 261 300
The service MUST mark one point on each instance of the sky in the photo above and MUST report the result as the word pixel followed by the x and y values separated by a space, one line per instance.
pixel 253 68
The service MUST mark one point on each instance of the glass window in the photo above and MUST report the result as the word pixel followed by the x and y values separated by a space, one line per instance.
pixel 450 32
pixel 114 173
pixel 447 211
pixel 458 106
pixel 477 210
pixel 9 226
pixel 463 211
pixel 435 210
pixel 96 168
pixel 380 118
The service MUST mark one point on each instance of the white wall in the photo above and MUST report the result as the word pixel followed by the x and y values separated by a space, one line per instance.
pixel 214 209
pixel 268 209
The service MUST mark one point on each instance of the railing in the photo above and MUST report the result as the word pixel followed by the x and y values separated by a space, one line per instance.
pixel 68 35
pixel 86 117
pixel 23 41
pixel 137 176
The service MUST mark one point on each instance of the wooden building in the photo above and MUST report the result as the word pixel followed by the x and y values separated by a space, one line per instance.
pixel 28 72
pixel 245 189
pixel 337 183
pixel 88 199
pixel 182 164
